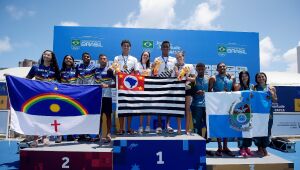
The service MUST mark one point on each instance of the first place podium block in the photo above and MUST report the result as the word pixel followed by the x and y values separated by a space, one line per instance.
pixel 159 152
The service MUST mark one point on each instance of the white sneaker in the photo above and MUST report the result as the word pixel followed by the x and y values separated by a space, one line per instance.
pixel 45 141
pixel 158 130
pixel 147 129
pixel 141 130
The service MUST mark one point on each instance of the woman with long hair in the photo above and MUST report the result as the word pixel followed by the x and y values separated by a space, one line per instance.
pixel 261 85
pixel 144 70
pixel 244 84
pixel 47 70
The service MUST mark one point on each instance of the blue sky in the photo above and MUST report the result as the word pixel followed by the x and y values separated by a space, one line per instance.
pixel 26 27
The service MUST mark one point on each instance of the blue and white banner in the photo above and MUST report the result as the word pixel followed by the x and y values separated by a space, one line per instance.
pixel 239 50
pixel 43 108
pixel 237 114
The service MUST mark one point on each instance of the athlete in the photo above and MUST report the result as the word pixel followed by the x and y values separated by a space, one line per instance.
pixel 47 70
pixel 261 85
pixel 105 78
pixel 68 75
pixel 185 72
pixel 165 68
pixel 220 83
pixel 86 72
pixel 128 64
pixel 144 70
pixel 244 143
pixel 198 103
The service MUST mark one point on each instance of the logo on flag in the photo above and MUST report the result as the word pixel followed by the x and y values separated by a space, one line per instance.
pixel 240 115
pixel 130 82
pixel 43 108
pixel 138 95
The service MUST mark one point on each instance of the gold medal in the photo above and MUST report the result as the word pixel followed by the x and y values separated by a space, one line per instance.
pixel 125 67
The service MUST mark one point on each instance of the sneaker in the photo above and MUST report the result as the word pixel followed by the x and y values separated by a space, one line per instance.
pixel 45 140
pixel 249 153
pixel 108 138
pixel 141 130
pixel 147 129
pixel 243 152
pixel 33 144
pixel 131 132
pixel 120 132
pixel 158 130
pixel 170 130
pixel 58 139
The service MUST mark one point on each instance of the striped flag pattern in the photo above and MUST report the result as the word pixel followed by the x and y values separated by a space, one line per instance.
pixel 150 96
pixel 166 73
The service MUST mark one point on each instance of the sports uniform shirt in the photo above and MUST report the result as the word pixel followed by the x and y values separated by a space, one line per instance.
pixel 43 73
pixel 103 77
pixel 69 75
pixel 86 74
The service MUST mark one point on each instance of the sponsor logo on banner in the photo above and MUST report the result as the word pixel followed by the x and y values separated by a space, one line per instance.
pixel 232 48
pixel 222 50
pixel 240 116
pixel 278 108
pixel 173 49
pixel 148 44
pixel 86 41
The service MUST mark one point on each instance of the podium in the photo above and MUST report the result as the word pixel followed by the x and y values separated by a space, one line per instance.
pixel 159 152
pixel 67 155
pixel 256 162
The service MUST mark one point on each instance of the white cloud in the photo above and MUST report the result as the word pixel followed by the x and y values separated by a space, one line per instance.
pixel 18 13
pixel 270 57
pixel 267 53
pixel 161 14
pixel 290 57
pixel 152 14
pixel 5 45
pixel 69 23
pixel 203 16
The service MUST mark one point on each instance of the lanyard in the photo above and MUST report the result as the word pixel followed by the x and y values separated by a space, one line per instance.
pixel 125 62
pixel 166 61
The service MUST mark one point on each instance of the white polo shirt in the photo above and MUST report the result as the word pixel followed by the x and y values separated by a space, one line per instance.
pixel 127 63
pixel 167 66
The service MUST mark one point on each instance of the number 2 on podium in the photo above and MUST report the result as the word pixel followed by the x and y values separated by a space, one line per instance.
pixel 160 161
pixel 65 163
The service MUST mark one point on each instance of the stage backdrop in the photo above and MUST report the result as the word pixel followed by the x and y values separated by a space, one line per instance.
pixel 287 111
pixel 239 50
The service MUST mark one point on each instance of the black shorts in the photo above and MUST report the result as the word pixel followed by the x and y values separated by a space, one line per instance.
pixel 188 92
pixel 106 105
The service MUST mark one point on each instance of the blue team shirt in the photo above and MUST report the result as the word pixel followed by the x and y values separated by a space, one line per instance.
pixel 223 83
pixel 69 76
pixel 86 74
pixel 200 84
pixel 43 73
pixel 102 77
